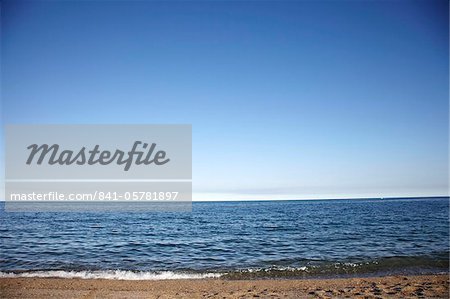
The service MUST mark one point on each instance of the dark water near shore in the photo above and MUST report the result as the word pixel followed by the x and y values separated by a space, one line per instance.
pixel 241 239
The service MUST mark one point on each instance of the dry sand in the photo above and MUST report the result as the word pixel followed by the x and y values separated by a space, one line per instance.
pixel 427 286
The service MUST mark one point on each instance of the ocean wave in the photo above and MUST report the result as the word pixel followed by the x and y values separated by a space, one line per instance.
pixel 395 265
pixel 111 274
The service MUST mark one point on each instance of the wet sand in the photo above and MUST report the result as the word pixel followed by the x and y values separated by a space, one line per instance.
pixel 427 286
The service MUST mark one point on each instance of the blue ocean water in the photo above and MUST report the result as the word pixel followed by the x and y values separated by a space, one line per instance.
pixel 232 239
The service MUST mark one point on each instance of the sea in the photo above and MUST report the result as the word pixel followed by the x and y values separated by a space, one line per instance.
pixel 232 240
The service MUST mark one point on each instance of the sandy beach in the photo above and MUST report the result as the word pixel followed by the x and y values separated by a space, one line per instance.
pixel 427 286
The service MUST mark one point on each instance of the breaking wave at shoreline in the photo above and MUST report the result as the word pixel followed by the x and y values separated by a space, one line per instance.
pixel 110 274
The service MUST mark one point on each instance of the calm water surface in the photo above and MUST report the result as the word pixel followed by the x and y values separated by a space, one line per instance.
pixel 234 239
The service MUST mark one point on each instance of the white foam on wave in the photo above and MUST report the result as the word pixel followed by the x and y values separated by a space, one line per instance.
pixel 112 274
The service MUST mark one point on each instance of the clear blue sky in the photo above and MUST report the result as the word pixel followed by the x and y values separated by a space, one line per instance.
pixel 298 99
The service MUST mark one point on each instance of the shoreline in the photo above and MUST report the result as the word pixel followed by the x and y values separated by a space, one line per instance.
pixel 428 286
